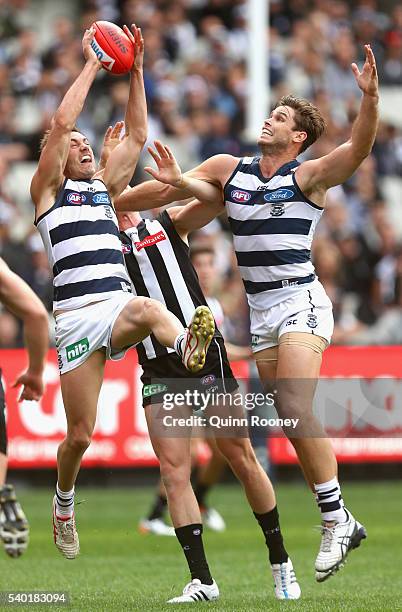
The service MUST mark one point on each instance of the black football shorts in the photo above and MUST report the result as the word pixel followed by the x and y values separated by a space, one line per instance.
pixel 167 374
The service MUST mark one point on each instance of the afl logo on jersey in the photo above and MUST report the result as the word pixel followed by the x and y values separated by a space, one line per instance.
pixel 76 198
pixel 279 194
pixel 209 379
pixel 240 196
pixel 101 198
pixel 126 248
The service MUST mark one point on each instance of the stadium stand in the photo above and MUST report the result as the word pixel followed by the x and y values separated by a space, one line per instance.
pixel 196 86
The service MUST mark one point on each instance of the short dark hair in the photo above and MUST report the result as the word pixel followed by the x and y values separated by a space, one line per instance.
pixel 307 119
pixel 45 137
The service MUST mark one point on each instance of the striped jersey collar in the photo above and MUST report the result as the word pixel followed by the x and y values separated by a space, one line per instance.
pixel 282 171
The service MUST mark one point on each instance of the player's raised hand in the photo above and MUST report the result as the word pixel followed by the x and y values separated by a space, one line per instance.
pixel 110 141
pixel 32 386
pixel 89 53
pixel 138 41
pixel 367 79
pixel 168 170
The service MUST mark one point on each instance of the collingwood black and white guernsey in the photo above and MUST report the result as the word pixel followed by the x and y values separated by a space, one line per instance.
pixel 81 236
pixel 273 225
pixel 159 266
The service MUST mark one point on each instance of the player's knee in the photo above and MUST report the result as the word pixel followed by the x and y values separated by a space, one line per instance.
pixel 175 475
pixel 79 439
pixel 133 312
pixel 240 455
pixel 144 312
pixel 151 312
pixel 293 407
pixel 245 464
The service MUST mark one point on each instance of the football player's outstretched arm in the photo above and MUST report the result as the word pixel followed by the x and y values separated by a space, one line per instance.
pixel 150 194
pixel 212 174
pixel 336 167
pixel 25 304
pixel 123 159
pixel 194 215
pixel 49 174
pixel 168 171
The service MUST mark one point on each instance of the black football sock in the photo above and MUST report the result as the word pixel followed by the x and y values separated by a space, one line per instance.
pixel 269 523
pixel 200 491
pixel 158 509
pixel 190 538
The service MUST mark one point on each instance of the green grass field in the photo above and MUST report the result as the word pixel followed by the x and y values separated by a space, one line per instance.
pixel 119 569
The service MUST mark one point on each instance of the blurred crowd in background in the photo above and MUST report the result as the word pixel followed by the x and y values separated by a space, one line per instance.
pixel 195 76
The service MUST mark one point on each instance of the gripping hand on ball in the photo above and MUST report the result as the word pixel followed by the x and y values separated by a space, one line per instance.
pixel 138 43
pixel 89 54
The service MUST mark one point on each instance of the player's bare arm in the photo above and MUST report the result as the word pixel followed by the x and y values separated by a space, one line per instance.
pixel 49 174
pixel 123 159
pixel 194 215
pixel 153 194
pixel 24 304
pixel 315 176
pixel 150 194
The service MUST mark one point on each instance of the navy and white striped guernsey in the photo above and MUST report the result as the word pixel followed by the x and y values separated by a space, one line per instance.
pixel 273 224
pixel 81 236
pixel 158 262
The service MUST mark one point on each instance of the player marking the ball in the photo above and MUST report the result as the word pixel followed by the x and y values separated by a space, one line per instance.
pixel 97 316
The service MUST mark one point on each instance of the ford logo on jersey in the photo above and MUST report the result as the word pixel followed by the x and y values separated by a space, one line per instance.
pixel 101 198
pixel 240 196
pixel 279 194
pixel 76 198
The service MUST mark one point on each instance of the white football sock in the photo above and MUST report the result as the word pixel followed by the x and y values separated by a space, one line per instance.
pixel 178 344
pixel 64 502
pixel 330 502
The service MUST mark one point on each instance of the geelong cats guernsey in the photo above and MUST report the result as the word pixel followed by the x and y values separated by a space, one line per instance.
pixel 157 260
pixel 273 224
pixel 81 236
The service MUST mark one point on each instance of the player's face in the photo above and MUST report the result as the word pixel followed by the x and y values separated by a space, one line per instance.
pixel 80 161
pixel 278 131
pixel 204 264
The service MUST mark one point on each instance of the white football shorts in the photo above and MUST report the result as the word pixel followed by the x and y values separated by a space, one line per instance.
pixel 307 310
pixel 82 331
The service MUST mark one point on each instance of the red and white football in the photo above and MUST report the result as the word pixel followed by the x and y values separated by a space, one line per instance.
pixel 113 47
